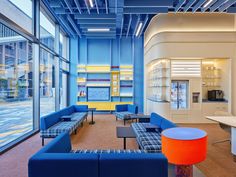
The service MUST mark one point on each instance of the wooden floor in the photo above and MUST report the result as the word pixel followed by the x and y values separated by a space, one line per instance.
pixel 219 162
pixel 102 135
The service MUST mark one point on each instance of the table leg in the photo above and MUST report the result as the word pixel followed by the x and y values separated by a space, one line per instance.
pixel 233 142
pixel 124 143
pixel 92 122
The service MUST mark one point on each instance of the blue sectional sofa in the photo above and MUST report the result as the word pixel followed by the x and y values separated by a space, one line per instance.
pixel 52 125
pixel 56 159
pixel 151 141
pixel 124 111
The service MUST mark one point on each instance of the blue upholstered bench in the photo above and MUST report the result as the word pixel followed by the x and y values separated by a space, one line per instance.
pixel 57 159
pixel 124 111
pixel 151 141
pixel 52 125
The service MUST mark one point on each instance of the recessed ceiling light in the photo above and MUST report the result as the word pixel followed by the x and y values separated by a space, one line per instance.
pixel 91 3
pixel 98 29
pixel 139 29
pixel 207 3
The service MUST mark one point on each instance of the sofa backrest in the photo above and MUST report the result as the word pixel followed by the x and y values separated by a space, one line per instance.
pixel 51 119
pixel 80 108
pixel 156 119
pixel 161 122
pixel 133 165
pixel 121 107
pixel 133 108
pixel 60 144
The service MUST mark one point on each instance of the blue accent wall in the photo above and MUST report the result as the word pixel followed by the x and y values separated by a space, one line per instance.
pixel 112 52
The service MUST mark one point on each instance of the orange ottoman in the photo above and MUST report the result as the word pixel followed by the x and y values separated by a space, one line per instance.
pixel 184 147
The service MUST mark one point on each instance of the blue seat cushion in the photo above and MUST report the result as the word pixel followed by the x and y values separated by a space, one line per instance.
pixel 123 115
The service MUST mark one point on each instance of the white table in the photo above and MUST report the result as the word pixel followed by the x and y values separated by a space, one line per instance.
pixel 230 121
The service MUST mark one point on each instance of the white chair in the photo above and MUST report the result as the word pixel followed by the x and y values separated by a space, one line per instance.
pixel 223 126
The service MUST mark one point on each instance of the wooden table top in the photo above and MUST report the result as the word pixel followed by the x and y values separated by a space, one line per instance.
pixel 227 120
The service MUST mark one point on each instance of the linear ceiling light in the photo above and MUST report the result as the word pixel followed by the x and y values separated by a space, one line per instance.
pixel 98 29
pixel 207 3
pixel 91 3
pixel 139 29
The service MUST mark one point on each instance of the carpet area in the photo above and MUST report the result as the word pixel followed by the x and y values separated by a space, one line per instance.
pixel 102 135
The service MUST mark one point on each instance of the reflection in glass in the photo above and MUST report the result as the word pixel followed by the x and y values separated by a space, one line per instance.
pixel 47 83
pixel 16 97
pixel 47 31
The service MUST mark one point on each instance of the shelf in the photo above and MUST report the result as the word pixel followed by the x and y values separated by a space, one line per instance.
pixel 159 86
pixel 211 86
pixel 211 78
pixel 98 85
pixel 126 95
pixel 93 69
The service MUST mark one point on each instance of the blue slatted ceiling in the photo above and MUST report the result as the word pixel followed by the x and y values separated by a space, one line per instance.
pixel 122 17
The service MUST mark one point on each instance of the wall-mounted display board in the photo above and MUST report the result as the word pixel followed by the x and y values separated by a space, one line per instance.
pixel 158 81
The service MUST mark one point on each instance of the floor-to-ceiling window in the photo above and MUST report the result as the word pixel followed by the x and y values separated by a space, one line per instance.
pixel 18 116
pixel 64 70
pixel 47 83
pixel 16 113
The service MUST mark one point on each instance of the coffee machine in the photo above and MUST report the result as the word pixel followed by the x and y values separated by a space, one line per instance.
pixel 215 95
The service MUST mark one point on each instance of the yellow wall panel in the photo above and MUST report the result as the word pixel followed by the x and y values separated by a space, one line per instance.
pixel 103 106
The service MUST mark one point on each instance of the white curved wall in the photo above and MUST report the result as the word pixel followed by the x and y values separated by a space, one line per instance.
pixel 192 36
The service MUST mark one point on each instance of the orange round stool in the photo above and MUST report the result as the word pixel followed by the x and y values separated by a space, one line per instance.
pixel 184 147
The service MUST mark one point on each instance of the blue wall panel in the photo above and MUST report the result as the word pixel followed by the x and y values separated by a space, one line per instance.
pixel 83 51
pixel 138 72
pixel 99 51
pixel 126 51
pixel 115 53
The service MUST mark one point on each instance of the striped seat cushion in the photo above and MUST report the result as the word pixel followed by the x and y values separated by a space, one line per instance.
pixel 100 151
pixel 152 148
pixel 123 115
pixel 148 141
pixel 64 126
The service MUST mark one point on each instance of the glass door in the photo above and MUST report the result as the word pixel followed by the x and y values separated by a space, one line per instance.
pixel 179 94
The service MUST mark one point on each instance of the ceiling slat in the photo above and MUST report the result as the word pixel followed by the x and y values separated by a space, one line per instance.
pixel 69 6
pixel 86 4
pixel 216 5
pixel 96 3
pixel 128 29
pixel 188 5
pixel 78 6
pixel 179 5
pixel 198 5
pixel 151 10
pixel 95 16
pixel 106 4
pixel 74 25
pixel 227 5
